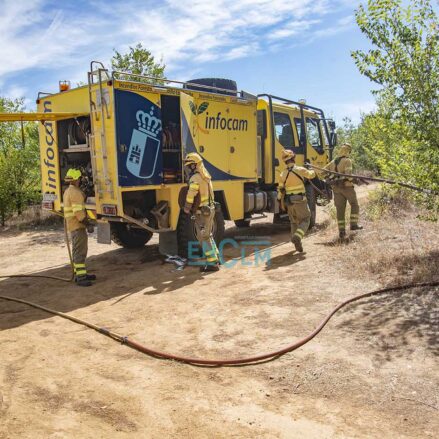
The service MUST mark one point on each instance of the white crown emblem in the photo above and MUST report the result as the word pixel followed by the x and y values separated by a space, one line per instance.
pixel 148 123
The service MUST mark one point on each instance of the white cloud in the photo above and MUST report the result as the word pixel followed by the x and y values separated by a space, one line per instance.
pixel 39 33
pixel 352 109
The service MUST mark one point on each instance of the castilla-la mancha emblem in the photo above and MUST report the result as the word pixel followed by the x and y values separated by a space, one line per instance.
pixel 145 143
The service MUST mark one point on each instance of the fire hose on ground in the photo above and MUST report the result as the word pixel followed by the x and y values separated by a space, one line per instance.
pixel 221 362
pixel 255 359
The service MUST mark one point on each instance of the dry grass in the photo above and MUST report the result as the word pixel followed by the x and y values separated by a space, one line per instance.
pixel 34 217
pixel 395 245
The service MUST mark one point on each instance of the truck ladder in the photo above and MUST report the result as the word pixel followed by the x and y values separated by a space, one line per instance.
pixel 99 112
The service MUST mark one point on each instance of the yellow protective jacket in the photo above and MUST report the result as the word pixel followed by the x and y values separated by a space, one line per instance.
pixel 341 164
pixel 74 208
pixel 198 184
pixel 290 183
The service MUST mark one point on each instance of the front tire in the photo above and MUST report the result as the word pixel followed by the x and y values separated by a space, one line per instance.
pixel 186 231
pixel 129 237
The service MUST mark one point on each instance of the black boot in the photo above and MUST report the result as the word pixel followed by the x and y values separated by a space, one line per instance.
pixel 342 234
pixel 209 268
pixel 82 281
pixel 356 227
pixel 91 277
pixel 297 243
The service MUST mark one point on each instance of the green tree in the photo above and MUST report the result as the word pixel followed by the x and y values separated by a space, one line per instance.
pixel 19 163
pixel 139 61
pixel 403 61
pixel 361 139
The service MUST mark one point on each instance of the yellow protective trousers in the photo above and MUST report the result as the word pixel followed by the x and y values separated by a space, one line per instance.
pixel 79 251
pixel 300 216
pixel 342 195
pixel 204 226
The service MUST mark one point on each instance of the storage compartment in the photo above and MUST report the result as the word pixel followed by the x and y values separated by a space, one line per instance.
pixel 74 151
pixel 171 139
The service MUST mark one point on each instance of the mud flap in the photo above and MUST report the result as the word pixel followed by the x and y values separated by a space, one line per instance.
pixel 104 232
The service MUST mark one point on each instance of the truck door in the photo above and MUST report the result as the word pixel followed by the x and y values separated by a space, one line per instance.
pixel 189 128
pixel 315 148
pixel 139 138
pixel 285 136
pixel 242 130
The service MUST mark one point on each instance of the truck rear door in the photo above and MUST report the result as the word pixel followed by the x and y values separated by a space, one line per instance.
pixel 139 137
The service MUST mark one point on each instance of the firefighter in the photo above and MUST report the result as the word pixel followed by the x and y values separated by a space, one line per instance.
pixel 292 197
pixel 200 184
pixel 344 190
pixel 77 226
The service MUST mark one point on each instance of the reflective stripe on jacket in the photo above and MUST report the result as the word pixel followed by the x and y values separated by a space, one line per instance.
pixel 74 208
pixel 197 184
pixel 291 183
pixel 344 166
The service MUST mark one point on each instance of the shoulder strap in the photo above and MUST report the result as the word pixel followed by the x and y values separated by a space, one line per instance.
pixel 286 178
pixel 337 162
pixel 297 175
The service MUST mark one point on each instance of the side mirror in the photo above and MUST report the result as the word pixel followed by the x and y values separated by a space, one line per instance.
pixel 333 139
pixel 331 124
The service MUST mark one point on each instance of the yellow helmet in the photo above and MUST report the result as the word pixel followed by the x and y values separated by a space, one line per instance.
pixel 192 158
pixel 72 175
pixel 287 154
pixel 345 149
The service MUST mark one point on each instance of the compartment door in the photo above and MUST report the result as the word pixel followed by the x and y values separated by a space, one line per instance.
pixel 189 127
pixel 139 138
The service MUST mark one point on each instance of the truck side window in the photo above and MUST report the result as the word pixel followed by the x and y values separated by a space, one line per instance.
pixel 314 135
pixel 284 129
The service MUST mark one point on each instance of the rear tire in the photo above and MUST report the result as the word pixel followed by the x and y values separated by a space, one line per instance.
pixel 312 204
pixel 128 237
pixel 186 231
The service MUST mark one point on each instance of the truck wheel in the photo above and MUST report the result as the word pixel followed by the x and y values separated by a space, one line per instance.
pixel 186 231
pixel 242 223
pixel 312 204
pixel 125 236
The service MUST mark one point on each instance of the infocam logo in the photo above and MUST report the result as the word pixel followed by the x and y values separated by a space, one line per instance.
pixel 218 122
pixel 251 253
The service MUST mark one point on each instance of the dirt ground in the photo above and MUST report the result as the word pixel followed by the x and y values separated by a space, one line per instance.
pixel 372 372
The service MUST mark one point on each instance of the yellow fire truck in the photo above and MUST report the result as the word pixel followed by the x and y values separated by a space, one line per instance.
pixel 129 133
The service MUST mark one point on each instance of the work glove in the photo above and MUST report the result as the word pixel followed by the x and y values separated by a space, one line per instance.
pixel 90 228
pixel 307 164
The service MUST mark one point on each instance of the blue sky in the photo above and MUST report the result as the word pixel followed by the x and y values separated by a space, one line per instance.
pixel 291 48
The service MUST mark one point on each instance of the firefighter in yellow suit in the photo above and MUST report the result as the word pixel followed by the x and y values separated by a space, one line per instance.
pixel 344 190
pixel 77 224
pixel 292 196
pixel 200 184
